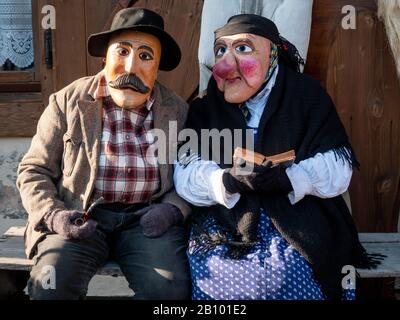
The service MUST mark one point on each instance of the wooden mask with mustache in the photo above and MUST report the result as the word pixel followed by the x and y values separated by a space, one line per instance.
pixel 132 53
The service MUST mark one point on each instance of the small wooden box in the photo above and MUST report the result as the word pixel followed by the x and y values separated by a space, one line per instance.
pixel 286 159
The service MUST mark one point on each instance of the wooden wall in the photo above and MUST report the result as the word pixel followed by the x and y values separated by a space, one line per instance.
pixel 182 20
pixel 357 68
pixel 76 20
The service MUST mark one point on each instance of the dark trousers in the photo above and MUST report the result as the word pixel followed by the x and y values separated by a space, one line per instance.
pixel 155 268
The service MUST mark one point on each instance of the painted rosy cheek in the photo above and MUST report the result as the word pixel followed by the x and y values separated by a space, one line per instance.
pixel 249 68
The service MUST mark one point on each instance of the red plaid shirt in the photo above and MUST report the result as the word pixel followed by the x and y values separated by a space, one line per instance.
pixel 125 172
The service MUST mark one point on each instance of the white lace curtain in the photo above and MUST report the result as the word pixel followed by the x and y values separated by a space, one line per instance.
pixel 16 38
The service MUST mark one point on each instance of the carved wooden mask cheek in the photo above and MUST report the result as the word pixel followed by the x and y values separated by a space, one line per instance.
pixel 242 63
pixel 132 52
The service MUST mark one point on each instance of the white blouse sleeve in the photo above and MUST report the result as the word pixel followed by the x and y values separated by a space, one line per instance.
pixel 200 183
pixel 325 176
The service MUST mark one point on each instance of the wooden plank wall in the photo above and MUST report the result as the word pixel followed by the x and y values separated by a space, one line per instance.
pixel 358 70
pixel 70 48
pixel 182 20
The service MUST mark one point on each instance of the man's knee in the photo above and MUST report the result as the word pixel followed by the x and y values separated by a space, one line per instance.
pixel 46 283
pixel 60 271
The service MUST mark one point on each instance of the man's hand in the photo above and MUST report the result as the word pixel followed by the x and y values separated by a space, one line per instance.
pixel 156 219
pixel 263 178
pixel 62 222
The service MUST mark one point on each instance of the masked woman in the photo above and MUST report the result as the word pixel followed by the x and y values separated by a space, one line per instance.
pixel 275 233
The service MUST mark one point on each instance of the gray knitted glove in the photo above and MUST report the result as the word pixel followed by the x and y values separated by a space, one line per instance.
pixel 158 218
pixel 62 222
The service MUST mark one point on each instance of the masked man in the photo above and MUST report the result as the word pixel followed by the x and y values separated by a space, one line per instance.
pixel 92 143
pixel 274 232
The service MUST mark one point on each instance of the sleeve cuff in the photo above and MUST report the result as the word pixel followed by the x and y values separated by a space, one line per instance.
pixel 300 182
pixel 219 192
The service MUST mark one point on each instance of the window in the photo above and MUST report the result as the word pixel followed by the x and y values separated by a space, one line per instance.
pixel 18 50
pixel 16 35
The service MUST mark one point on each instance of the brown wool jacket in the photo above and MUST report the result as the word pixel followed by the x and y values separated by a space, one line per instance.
pixel 59 170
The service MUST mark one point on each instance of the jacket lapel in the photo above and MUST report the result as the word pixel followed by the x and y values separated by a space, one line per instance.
pixel 162 115
pixel 91 122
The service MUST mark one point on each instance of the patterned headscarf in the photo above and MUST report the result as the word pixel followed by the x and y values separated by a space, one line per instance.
pixel 273 61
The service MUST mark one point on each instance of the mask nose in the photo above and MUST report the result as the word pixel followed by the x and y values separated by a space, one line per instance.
pixel 130 64
pixel 225 68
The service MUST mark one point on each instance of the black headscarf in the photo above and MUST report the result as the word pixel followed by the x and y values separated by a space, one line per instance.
pixel 261 26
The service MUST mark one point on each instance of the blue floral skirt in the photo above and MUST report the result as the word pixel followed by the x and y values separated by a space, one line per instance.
pixel 272 270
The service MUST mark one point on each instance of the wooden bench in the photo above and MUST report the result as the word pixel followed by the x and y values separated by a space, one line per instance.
pixel 13 258
pixel 12 255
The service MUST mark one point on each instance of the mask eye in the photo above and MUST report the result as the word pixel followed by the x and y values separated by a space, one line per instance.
pixel 243 48
pixel 219 51
pixel 123 52
pixel 145 56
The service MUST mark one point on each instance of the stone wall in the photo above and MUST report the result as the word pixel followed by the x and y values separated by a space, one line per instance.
pixel 11 210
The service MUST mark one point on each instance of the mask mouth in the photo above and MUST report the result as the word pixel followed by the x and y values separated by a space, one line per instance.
pixel 129 81
pixel 233 80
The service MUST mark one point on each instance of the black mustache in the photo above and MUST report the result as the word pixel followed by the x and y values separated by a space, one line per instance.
pixel 129 81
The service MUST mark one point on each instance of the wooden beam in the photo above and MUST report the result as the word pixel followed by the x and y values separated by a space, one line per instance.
pixel 16 76
pixel 20 87
pixel 20 118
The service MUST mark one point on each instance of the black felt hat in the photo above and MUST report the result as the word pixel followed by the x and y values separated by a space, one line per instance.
pixel 143 20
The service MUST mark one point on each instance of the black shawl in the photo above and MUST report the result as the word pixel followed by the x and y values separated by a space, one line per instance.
pixel 299 115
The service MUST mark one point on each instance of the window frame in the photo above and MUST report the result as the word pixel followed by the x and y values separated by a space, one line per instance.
pixel 29 80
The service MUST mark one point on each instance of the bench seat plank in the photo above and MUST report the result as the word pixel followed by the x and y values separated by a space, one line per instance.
pixel 15 232
pixel 379 237
pixel 390 266
pixel 12 255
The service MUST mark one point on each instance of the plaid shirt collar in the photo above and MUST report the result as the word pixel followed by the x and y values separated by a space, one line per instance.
pixel 102 91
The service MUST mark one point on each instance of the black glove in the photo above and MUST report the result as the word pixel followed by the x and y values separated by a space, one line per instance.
pixel 62 222
pixel 263 178
pixel 156 219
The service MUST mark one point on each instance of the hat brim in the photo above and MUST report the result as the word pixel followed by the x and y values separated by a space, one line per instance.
pixel 170 55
